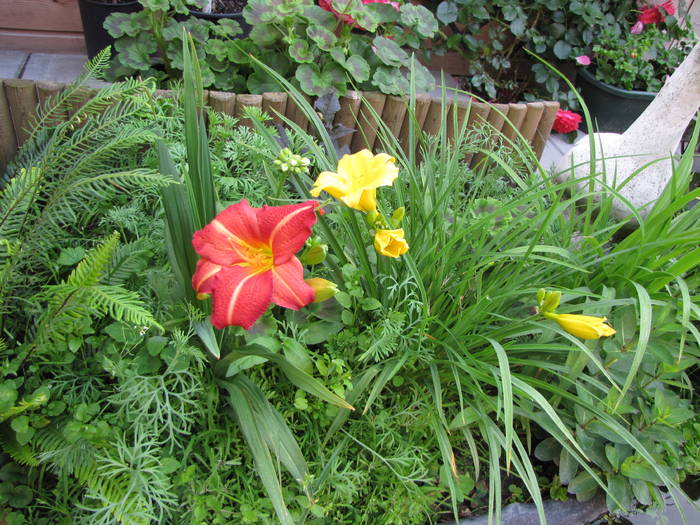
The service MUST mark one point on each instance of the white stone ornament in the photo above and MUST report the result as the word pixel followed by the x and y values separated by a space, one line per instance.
pixel 655 135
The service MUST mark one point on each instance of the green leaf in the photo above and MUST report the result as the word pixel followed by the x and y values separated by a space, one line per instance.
pixel 8 396
pixel 322 37
pixel 389 52
pixel 300 52
pixel 369 304
pixel 447 12
pixel 136 52
pixel 298 355
pixel 562 50
pixel 206 334
pixel 357 67
pixel 316 82
pixel 20 424
pixel 258 12
pixel 637 467
pixel 567 467
pixel 420 19
pixel 583 483
pixel 156 5
pixel 518 27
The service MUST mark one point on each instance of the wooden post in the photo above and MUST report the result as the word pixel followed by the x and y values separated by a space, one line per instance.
pixel 243 101
pixel 348 115
pixel 296 115
pixel 372 102
pixel 165 93
pixel 275 104
pixel 433 119
pixel 545 127
pixel 8 140
pixel 422 106
pixel 394 113
pixel 516 117
pixel 532 119
pixel 222 102
pixel 22 100
pixel 46 89
pixel 497 116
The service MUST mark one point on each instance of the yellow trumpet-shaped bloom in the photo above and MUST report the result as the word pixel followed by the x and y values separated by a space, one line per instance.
pixel 357 179
pixel 390 242
pixel 583 326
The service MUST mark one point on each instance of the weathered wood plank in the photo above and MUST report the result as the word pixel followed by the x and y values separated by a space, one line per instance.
pixel 40 42
pixel 41 15
pixel 274 103
pixel 370 111
pixel 8 140
pixel 22 99
pixel 223 102
pixel 296 115
pixel 394 114
pixel 516 116
pixel 44 90
pixel 532 120
pixel 243 101
pixel 545 127
pixel 433 119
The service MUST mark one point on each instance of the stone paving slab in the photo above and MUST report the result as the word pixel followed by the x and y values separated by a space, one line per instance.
pixel 11 63
pixel 57 68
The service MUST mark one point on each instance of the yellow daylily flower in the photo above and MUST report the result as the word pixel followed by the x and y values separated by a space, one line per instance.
pixel 323 288
pixel 583 326
pixel 357 179
pixel 390 242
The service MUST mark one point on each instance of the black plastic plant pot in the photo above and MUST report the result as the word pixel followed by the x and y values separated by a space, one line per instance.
pixel 93 14
pixel 612 109
pixel 215 17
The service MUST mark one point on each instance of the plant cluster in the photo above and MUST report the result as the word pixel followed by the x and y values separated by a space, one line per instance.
pixel 429 341
pixel 496 36
pixel 321 48
pixel 642 59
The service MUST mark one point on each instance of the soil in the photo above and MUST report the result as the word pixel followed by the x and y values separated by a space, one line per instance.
pixel 228 6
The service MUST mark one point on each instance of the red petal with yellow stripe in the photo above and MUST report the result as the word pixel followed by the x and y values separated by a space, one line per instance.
pixel 288 287
pixel 240 297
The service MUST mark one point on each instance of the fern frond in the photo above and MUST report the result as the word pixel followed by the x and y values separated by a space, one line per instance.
pixel 89 270
pixel 128 259
pixel 22 454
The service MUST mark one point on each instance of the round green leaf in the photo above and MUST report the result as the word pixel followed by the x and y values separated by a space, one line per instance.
pixel 447 12
pixel 420 19
pixel 357 67
pixel 389 52
pixel 562 50
pixel 300 52
pixel 322 37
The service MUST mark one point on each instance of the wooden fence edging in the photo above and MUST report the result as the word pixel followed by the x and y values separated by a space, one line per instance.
pixel 19 100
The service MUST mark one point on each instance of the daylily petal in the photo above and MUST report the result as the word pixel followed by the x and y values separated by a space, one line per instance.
pixel 224 240
pixel 367 171
pixel 240 297
pixel 367 201
pixel 583 326
pixel 286 228
pixel 203 278
pixel 332 183
pixel 390 242
pixel 288 287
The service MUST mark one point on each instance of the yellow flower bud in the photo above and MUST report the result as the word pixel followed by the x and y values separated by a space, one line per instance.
pixel 398 214
pixel 551 301
pixel 390 242
pixel 323 288
pixel 583 326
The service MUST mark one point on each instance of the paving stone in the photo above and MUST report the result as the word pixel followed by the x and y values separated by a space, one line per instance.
pixel 57 68
pixel 11 63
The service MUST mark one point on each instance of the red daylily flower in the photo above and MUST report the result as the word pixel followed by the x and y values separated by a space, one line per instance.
pixel 653 15
pixel 566 121
pixel 247 261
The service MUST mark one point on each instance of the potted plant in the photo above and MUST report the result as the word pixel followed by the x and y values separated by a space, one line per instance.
pixel 93 14
pixel 320 48
pixel 629 66
pixel 216 10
